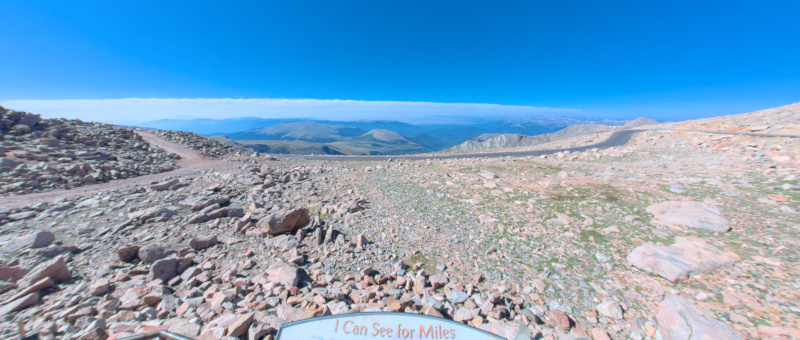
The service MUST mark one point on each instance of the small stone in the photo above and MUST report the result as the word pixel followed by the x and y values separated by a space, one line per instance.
pixel 457 296
pixel 462 314
pixel 438 281
pixel 540 286
pixel 611 309
pixel 602 257
pixel 283 273
pixel 99 287
pixel 560 319
pixel 361 241
pixel 430 310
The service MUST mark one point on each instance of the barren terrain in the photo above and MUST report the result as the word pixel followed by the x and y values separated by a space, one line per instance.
pixel 673 233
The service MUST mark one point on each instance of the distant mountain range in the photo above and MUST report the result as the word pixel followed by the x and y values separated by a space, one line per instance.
pixel 297 136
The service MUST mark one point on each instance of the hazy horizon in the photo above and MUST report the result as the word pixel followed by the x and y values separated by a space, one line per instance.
pixel 136 111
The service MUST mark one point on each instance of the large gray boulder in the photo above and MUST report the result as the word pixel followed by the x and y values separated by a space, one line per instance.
pixel 152 253
pixel 690 214
pixel 284 221
pixel 676 262
pixel 34 240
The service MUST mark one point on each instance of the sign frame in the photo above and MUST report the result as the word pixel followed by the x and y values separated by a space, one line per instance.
pixel 389 314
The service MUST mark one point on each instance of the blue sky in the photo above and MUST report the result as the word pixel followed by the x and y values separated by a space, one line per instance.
pixel 616 59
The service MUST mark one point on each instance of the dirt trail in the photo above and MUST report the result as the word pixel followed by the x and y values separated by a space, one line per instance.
pixel 190 161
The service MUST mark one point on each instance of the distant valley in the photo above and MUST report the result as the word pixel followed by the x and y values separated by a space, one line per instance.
pixel 297 136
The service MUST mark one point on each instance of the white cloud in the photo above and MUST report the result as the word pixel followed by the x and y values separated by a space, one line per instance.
pixel 138 110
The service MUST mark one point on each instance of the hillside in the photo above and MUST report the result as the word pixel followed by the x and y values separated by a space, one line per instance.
pixel 375 142
pixel 494 141
pixel 305 131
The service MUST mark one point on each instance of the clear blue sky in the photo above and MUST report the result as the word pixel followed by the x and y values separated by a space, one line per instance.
pixel 664 59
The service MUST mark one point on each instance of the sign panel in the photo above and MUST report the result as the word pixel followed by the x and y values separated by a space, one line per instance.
pixel 380 325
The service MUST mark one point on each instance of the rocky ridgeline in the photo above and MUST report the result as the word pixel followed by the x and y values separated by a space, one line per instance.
pixel 206 146
pixel 43 154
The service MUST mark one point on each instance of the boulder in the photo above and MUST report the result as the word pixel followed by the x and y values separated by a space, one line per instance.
pixel 165 185
pixel 33 288
pixel 152 253
pixel 676 262
pixel 690 214
pixel 29 119
pixel 19 304
pixel 560 319
pixel 241 325
pixel 164 269
pixel 34 240
pixel 55 269
pixel 12 273
pixel 128 254
pixel 680 319
pixel 285 221
pixel 8 163
pixel 22 215
pixel 283 273
pixel 201 243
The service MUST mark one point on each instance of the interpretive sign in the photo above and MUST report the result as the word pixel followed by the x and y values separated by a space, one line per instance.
pixel 388 326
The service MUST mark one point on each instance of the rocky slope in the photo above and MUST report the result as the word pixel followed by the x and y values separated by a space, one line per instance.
pixel 510 140
pixel 779 120
pixel 207 147
pixel 485 142
pixel 675 233
pixel 43 154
